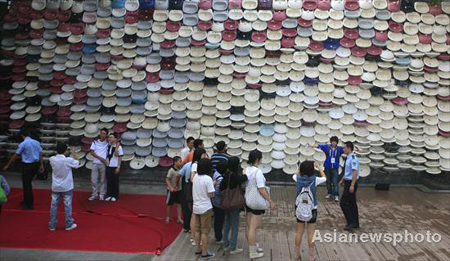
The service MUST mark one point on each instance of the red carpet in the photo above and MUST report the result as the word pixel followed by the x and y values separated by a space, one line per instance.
pixel 133 224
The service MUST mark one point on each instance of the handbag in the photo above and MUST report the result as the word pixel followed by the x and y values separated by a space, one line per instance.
pixel 253 198
pixel 3 198
pixel 232 198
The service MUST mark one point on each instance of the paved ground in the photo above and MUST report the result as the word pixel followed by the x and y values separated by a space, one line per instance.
pixel 396 210
pixel 391 211
pixel 45 255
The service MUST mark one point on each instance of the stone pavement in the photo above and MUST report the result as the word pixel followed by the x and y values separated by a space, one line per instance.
pixel 380 211
pixel 46 255
pixel 391 211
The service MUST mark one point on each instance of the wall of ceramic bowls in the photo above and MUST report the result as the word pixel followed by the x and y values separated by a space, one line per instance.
pixel 260 74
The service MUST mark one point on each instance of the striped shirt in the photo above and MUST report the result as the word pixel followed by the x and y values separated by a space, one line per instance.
pixel 218 157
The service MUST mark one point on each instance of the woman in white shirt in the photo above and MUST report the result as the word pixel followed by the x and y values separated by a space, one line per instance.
pixel 254 217
pixel 199 153
pixel 114 159
pixel 306 178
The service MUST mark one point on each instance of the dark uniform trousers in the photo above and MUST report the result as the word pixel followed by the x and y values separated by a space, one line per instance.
pixel 348 204
pixel 29 171
pixel 187 212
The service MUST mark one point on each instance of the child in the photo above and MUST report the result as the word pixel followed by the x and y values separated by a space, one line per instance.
pixel 173 181
pixel 6 189
pixel 202 192
pixel 306 178
pixel 62 185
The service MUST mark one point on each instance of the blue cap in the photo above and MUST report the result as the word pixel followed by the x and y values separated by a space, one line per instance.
pixel 403 60
pixel 33 58
pixel 90 48
pixel 331 44
pixel 311 81
pixel 118 4
pixel 146 4
pixel 266 130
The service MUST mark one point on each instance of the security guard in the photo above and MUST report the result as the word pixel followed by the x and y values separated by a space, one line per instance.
pixel 350 182
pixel 30 152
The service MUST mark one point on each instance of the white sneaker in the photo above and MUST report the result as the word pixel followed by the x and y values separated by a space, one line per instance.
pixel 71 227
pixel 101 198
pixel 108 199
pixel 253 253
pixel 113 199
pixel 259 249
pixel 93 198
pixel 328 196
pixel 336 199
pixel 236 251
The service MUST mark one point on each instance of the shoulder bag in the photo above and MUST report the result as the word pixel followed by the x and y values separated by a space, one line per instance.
pixel 232 198
pixel 253 198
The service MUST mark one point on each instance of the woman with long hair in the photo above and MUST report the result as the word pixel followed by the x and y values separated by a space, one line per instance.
pixel 254 216
pixel 232 179
pixel 199 153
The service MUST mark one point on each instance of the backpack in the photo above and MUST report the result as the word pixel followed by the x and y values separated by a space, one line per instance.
pixel 216 200
pixel 304 204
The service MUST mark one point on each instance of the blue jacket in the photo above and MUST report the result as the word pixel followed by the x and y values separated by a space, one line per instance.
pixel 331 153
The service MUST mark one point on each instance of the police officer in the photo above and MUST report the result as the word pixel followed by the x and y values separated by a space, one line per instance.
pixel 30 152
pixel 350 183
pixel 331 165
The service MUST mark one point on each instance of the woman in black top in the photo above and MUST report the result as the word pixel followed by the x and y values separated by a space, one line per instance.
pixel 235 177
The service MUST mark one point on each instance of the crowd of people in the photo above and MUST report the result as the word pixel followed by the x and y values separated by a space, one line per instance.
pixel 107 153
pixel 205 190
pixel 212 191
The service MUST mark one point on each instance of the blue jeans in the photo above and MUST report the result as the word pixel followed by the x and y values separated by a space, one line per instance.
pixel 332 181
pixel 231 222
pixel 67 197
